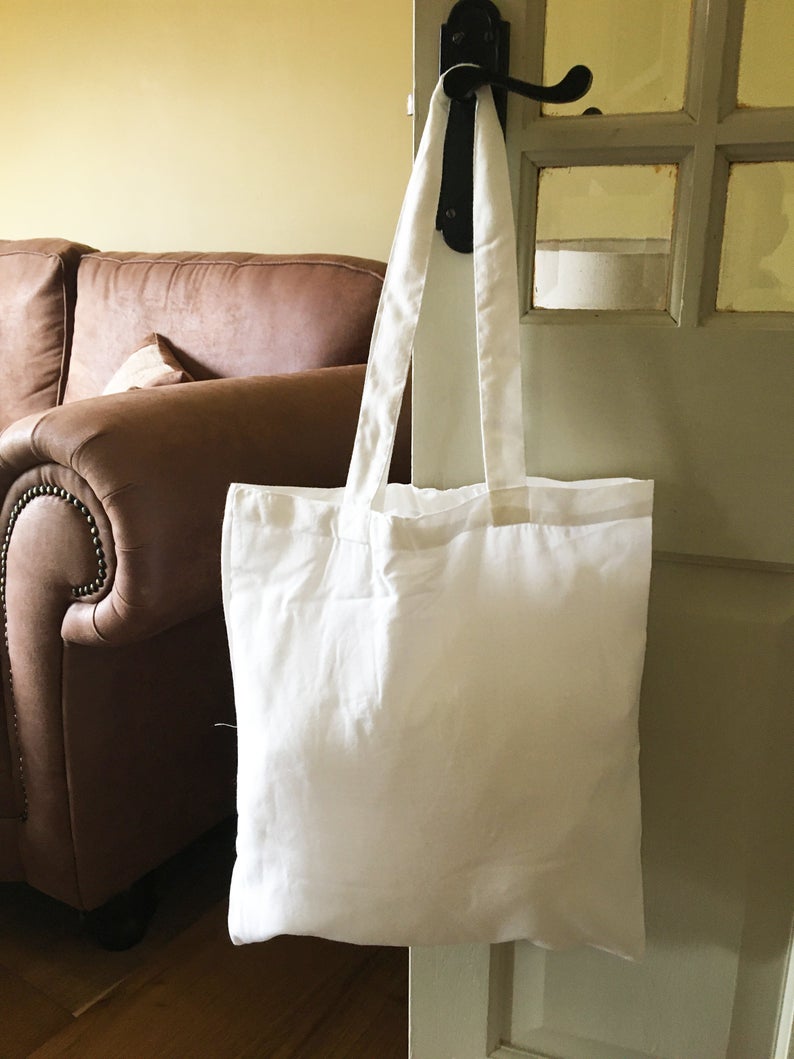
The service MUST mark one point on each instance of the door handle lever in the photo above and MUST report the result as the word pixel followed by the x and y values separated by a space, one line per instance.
pixel 476 36
pixel 461 81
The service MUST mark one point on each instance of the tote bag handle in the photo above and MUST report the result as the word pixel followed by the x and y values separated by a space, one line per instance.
pixel 496 303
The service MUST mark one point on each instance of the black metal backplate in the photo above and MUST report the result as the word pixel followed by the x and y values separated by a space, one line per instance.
pixel 473 33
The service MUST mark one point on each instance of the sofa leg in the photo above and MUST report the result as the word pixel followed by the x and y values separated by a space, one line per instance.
pixel 122 921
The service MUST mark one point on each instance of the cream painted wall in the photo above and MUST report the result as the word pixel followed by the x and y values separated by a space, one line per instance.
pixel 191 124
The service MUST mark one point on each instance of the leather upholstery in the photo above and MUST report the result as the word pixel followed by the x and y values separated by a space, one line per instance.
pixel 116 644
pixel 224 315
pixel 37 297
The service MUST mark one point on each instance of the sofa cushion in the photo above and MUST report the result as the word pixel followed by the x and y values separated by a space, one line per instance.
pixel 225 315
pixel 152 364
pixel 37 295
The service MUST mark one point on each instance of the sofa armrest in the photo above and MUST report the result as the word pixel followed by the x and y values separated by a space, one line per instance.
pixel 148 472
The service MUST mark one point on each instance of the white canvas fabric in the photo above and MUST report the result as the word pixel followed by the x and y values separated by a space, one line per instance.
pixel 437 691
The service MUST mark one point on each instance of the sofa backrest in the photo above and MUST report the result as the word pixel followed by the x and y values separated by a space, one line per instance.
pixel 37 298
pixel 224 315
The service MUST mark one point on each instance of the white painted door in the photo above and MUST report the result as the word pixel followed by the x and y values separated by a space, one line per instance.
pixel 657 267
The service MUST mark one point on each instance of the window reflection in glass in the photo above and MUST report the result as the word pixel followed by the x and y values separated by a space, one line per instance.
pixel 637 50
pixel 603 237
pixel 766 63
pixel 757 262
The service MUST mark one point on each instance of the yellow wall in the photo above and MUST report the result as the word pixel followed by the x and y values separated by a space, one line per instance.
pixel 194 124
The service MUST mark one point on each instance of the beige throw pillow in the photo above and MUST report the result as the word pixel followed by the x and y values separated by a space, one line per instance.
pixel 152 364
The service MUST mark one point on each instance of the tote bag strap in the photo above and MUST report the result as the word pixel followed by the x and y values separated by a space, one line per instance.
pixel 496 301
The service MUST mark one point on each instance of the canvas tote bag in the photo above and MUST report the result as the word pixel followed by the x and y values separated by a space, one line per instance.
pixel 436 691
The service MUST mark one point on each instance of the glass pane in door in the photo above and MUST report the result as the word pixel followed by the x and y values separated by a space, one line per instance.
pixel 637 49
pixel 603 237
pixel 766 66
pixel 757 263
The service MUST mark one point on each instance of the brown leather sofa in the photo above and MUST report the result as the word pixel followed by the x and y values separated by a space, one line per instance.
pixel 115 673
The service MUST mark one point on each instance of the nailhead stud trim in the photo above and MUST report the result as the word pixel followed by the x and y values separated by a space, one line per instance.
pixel 78 591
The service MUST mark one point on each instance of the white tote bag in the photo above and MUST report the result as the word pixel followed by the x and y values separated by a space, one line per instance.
pixel 437 691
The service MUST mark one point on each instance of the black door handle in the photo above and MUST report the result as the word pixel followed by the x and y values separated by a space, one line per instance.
pixel 476 35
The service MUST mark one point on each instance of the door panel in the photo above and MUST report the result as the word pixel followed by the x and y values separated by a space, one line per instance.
pixel 717 729
pixel 701 400
pixel 708 416
pixel 716 702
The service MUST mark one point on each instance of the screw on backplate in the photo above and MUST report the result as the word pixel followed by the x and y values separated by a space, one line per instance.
pixel 450 214
pixel 459 37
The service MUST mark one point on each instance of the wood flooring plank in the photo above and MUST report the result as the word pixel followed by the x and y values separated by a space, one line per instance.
pixel 186 992
pixel 370 1019
pixel 210 998
pixel 41 940
pixel 27 1017
pixel 41 943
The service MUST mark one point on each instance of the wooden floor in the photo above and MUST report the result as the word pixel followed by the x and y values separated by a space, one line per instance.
pixel 186 992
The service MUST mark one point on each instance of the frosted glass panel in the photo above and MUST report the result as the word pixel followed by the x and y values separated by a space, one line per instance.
pixel 757 265
pixel 766 65
pixel 637 50
pixel 603 237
